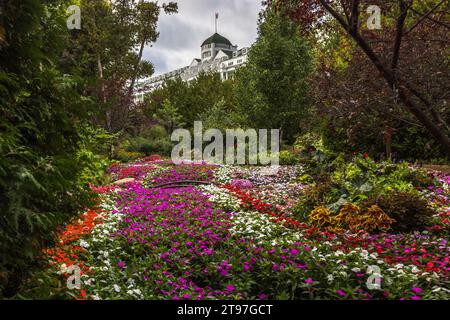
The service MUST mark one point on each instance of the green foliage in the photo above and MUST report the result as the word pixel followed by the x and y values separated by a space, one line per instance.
pixel 148 147
pixel 40 109
pixel 93 146
pixel 191 101
pixel 272 88
pixel 410 211
pixel 222 117
pixel 308 142
pixel 315 195
pixel 288 158
pixel 169 116
pixel 155 133
pixel 340 181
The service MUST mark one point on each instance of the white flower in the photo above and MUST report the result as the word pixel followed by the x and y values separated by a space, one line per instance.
pixel 330 278
pixel 356 270
pixel 84 244
pixel 63 268
pixel 116 288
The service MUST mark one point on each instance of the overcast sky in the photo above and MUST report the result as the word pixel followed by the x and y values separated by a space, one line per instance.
pixel 182 34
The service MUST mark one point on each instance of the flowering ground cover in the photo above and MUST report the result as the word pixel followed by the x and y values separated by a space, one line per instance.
pixel 233 237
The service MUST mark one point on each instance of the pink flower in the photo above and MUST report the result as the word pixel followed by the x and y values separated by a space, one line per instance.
pixel 230 288
pixel 309 281
pixel 417 290
pixel 121 264
pixel 341 293
pixel 262 296
pixel 415 298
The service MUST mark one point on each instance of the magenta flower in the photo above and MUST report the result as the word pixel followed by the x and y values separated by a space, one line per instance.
pixel 230 288
pixel 309 281
pixel 341 293
pixel 417 290
pixel 262 296
pixel 415 298
pixel 121 264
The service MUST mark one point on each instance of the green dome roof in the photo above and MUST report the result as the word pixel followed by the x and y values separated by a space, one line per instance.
pixel 216 38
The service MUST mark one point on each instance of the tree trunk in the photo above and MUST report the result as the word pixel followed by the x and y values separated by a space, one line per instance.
pixel 103 99
pixel 133 80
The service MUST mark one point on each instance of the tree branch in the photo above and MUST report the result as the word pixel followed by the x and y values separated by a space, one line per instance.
pixel 398 36
pixel 426 16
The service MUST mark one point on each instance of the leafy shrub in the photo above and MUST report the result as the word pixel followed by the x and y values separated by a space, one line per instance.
pixel 93 148
pixel 148 147
pixel 126 156
pixel 351 217
pixel 317 194
pixel 410 211
pixel 288 158
pixel 156 132
pixel 309 141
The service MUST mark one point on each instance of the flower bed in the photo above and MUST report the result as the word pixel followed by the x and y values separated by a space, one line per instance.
pixel 228 240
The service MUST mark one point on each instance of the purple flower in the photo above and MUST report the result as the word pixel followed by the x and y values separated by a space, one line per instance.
pixel 417 290
pixel 415 298
pixel 341 293
pixel 262 296
pixel 121 264
pixel 309 280
pixel 230 288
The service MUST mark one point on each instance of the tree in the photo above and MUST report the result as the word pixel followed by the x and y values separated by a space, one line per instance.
pixel 105 53
pixel 40 110
pixel 194 99
pixel 275 79
pixel 169 116
pixel 385 50
pixel 357 111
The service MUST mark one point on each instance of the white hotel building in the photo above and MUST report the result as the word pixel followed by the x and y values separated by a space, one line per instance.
pixel 217 55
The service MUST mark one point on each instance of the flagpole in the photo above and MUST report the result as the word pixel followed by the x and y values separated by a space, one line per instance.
pixel 217 17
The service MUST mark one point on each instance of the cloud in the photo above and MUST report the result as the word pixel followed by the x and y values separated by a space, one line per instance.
pixel 182 34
